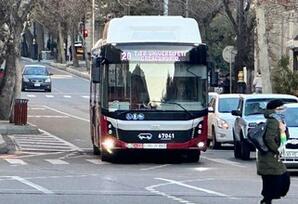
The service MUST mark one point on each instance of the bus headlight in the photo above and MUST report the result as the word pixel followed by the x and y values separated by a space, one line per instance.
pixel 108 144
pixel 201 145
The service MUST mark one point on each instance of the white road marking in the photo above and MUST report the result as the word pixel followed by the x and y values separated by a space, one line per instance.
pixel 36 108
pixel 195 188
pixel 56 161
pixel 67 96
pixel 154 167
pixel 224 161
pixel 154 191
pixel 48 116
pixel 72 116
pixel 86 97
pixel 49 96
pixel 33 185
pixel 16 161
pixel 95 161
pixel 202 169
pixel 43 144
pixel 31 96
pixel 57 76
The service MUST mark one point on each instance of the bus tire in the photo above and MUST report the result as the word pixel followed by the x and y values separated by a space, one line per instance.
pixel 193 156
pixel 107 157
pixel 96 150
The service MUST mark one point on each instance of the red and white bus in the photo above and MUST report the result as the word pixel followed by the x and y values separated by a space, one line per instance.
pixel 149 87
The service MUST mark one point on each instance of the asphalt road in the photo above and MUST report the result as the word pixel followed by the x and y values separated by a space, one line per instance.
pixel 59 167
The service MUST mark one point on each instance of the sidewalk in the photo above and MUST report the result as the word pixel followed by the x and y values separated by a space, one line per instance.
pixel 6 142
pixel 78 71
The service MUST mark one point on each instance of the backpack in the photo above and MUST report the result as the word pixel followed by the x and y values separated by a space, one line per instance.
pixel 256 137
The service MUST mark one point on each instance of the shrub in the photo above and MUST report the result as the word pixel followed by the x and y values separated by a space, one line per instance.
pixel 285 80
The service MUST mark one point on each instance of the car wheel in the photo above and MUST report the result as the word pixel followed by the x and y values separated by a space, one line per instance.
pixel 215 144
pixel 237 148
pixel 245 151
pixel 48 90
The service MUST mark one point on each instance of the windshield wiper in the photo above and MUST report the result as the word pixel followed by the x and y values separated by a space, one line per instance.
pixel 174 103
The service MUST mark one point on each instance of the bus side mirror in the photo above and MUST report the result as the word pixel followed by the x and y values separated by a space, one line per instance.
pixel 95 69
pixel 213 75
pixel 213 78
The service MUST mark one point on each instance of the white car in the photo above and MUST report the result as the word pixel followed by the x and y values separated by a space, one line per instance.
pixel 211 95
pixel 290 156
pixel 220 119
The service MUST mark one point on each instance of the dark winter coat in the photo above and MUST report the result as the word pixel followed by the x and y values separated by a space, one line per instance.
pixel 269 163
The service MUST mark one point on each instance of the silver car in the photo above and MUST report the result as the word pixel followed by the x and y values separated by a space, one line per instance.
pixel 249 113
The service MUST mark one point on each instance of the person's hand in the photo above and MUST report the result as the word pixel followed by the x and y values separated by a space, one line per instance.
pixel 282 127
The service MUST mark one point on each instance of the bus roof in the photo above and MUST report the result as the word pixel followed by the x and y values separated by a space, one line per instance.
pixel 154 29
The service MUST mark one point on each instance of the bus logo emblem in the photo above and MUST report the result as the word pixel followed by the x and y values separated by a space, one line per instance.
pixel 129 116
pixel 135 116
pixel 146 136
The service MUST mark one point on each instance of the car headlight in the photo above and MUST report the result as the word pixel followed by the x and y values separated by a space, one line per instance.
pixel 25 79
pixel 48 80
pixel 222 123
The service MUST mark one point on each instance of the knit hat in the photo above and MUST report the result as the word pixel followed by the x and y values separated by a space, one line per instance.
pixel 274 104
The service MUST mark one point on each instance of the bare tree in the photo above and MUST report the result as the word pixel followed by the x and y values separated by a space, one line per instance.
pixel 13 15
pixel 243 21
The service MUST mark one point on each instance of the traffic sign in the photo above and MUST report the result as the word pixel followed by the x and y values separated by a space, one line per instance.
pixel 229 54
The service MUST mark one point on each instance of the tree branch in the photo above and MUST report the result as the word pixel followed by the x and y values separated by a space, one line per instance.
pixel 230 15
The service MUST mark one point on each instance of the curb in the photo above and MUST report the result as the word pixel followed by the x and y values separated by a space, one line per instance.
pixel 4 149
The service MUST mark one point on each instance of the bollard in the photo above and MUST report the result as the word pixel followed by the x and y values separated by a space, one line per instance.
pixel 20 111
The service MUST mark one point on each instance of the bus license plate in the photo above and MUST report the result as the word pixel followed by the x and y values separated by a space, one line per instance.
pixel 154 146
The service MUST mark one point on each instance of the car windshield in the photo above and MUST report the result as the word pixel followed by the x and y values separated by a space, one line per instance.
pixel 291 117
pixel 226 105
pixel 35 71
pixel 258 106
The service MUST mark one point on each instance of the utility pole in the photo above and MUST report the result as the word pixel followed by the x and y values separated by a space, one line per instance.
pixel 186 8
pixel 165 7
pixel 93 23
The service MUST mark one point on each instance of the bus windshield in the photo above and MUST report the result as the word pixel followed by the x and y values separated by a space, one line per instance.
pixel 155 86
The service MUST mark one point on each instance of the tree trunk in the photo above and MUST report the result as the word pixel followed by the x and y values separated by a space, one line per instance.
pixel 60 46
pixel 75 60
pixel 7 88
pixel 262 55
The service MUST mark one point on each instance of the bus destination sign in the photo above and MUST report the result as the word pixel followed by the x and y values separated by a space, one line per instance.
pixel 154 55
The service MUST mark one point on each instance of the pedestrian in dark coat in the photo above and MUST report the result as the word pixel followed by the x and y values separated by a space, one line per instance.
pixel 276 180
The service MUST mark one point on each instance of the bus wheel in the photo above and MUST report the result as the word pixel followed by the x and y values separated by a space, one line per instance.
pixel 193 156
pixel 96 150
pixel 105 156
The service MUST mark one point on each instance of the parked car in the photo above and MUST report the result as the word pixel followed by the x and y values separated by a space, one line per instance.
pixel 249 113
pixel 290 157
pixel 36 77
pixel 220 119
